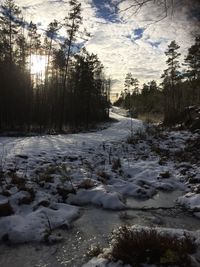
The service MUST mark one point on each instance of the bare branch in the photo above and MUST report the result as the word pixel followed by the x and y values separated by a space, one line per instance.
pixel 136 4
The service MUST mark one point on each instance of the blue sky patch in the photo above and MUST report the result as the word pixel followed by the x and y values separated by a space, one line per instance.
pixel 138 33
pixel 106 10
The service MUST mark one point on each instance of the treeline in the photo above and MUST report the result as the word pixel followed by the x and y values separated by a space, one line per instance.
pixel 179 89
pixel 71 91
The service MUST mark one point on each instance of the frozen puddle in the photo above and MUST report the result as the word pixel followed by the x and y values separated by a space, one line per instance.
pixel 94 227
pixel 161 199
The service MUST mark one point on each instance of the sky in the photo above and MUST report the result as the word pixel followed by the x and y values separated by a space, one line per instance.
pixel 125 39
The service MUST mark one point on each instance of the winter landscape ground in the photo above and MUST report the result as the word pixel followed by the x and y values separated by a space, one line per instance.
pixel 98 180
pixel 82 183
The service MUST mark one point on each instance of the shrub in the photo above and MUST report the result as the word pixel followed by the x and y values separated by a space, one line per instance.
pixel 86 184
pixel 103 176
pixel 116 164
pixel 94 251
pixel 136 137
pixel 136 247
pixel 132 140
pixel 165 175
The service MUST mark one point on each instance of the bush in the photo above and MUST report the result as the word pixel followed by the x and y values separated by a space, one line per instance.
pixel 136 137
pixel 103 176
pixel 86 184
pixel 165 175
pixel 94 251
pixel 136 247
pixel 116 164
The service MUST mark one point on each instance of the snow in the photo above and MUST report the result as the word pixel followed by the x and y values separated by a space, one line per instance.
pixel 39 150
pixel 37 225
pixel 40 170
pixel 190 201
pixel 97 196
pixel 46 175
pixel 100 262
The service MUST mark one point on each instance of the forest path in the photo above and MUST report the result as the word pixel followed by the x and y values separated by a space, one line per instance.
pixel 37 149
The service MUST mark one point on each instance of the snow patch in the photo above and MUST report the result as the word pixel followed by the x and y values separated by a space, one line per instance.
pixel 37 225
pixel 97 196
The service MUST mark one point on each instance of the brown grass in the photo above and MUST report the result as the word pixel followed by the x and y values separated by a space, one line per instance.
pixel 94 251
pixel 116 164
pixel 151 117
pixel 136 247
pixel 86 184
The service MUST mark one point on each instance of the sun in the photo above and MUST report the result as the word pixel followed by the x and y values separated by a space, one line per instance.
pixel 38 64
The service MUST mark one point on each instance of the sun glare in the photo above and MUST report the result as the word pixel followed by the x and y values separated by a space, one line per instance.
pixel 38 64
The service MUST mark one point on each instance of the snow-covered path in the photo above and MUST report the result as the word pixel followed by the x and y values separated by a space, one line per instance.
pixel 48 178
pixel 45 148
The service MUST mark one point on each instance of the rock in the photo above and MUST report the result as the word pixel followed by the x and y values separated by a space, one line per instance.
pixel 5 208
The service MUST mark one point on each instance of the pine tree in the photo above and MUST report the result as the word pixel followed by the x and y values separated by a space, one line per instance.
pixel 128 82
pixel 34 39
pixel 127 90
pixel 193 72
pixel 72 25
pixel 22 52
pixel 51 34
pixel 193 60
pixel 75 85
pixel 172 74
pixel 171 79
pixel 10 22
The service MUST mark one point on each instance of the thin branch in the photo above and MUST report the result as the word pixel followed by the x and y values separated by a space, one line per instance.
pixel 136 4
pixel 158 20
pixel 160 3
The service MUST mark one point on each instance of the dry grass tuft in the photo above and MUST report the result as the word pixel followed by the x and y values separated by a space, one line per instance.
pixel 86 184
pixel 94 251
pixel 116 164
pixel 136 247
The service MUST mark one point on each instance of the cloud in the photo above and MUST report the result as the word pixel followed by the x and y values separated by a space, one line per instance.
pixel 136 43
pixel 125 41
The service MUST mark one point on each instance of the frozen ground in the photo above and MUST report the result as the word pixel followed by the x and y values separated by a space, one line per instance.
pixel 40 172
pixel 101 261
pixel 46 179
